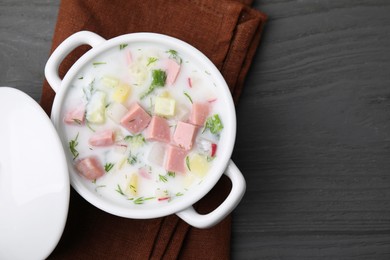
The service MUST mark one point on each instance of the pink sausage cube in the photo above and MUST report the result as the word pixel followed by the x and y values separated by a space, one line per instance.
pixel 75 116
pixel 199 113
pixel 175 159
pixel 158 130
pixel 184 135
pixel 90 168
pixel 103 138
pixel 173 70
pixel 136 119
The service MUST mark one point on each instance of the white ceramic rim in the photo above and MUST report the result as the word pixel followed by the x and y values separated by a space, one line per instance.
pixel 228 136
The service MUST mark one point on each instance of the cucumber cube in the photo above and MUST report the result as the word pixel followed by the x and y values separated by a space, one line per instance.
pixel 96 108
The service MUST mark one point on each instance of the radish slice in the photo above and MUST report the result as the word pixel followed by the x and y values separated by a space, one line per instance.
pixel 129 59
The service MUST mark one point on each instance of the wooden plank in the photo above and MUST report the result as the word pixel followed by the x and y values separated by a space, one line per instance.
pixel 316 153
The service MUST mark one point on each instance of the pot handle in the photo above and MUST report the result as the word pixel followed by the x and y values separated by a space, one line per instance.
pixel 195 219
pixel 69 44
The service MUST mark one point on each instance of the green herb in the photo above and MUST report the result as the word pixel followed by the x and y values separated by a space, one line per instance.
pixel 81 78
pixel 132 159
pixel 179 194
pixel 77 121
pixel 122 46
pixel 89 126
pixel 163 178
pixel 188 162
pixel 208 73
pixel 141 200
pixel 158 80
pixel 91 88
pixel 136 140
pixel 133 188
pixel 108 166
pixel 98 63
pixel 174 55
pixel 171 174
pixel 188 96
pixel 151 60
pixel 214 124
pixel 72 147
pixel 119 190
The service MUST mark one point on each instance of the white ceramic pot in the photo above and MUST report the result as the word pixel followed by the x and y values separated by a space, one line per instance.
pixel 222 165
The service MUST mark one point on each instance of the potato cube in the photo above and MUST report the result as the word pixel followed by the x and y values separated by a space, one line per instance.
pixel 133 185
pixel 199 165
pixel 164 106
pixel 121 93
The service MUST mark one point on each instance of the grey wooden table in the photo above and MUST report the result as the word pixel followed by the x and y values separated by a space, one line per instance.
pixel 313 124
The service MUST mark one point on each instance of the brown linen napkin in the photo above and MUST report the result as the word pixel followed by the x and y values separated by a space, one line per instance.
pixel 228 32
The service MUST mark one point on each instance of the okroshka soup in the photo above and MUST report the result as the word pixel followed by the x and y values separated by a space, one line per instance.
pixel 144 125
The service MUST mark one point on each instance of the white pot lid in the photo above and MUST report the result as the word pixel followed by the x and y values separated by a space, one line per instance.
pixel 34 180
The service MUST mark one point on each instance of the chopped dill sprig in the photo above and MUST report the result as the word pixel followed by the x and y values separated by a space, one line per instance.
pixel 151 60
pixel 97 63
pixel 122 46
pixel 141 200
pixel 72 147
pixel 108 166
pixel 188 96
pixel 133 188
pixel 171 174
pixel 188 163
pixel 119 190
pixel 89 126
pixel 132 159
pixel 174 55
pixel 162 178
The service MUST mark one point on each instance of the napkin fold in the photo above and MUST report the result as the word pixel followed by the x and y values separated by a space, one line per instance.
pixel 228 33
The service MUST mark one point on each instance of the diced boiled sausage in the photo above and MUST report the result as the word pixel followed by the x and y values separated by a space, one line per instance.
pixel 173 70
pixel 175 159
pixel 199 113
pixel 136 119
pixel 75 116
pixel 90 168
pixel 103 138
pixel 158 130
pixel 184 135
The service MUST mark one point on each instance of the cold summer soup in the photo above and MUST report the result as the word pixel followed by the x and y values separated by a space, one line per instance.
pixel 142 124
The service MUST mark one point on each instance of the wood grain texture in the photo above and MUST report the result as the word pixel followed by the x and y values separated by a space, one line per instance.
pixel 313 124
pixel 316 152
pixel 26 30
